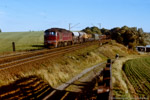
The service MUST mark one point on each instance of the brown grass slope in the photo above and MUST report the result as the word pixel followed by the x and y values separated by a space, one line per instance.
pixel 60 69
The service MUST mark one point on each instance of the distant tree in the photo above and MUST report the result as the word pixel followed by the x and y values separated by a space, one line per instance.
pixel 92 30
pixel 87 30
pixel 125 28
pixel 140 30
pixel 105 31
pixel 128 36
pixel 142 41
pixel 0 30
pixel 131 45
pixel 96 30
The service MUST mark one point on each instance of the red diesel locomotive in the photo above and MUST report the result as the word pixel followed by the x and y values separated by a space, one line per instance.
pixel 56 37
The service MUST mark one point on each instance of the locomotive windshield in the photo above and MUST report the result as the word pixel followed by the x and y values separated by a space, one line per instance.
pixel 50 33
pixel 46 33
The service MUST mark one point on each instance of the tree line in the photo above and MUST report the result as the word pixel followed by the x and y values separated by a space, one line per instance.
pixel 128 36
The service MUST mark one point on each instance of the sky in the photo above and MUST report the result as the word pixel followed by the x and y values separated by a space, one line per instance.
pixel 36 15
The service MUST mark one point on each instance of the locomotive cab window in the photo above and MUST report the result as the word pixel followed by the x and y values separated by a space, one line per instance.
pixel 52 33
pixel 46 33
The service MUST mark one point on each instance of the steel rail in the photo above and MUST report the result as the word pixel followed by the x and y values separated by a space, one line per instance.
pixel 12 57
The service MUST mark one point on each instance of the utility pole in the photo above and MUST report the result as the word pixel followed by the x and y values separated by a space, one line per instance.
pixel 69 26
pixel 72 26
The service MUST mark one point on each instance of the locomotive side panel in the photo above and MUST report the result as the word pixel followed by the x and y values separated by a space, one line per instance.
pixel 67 36
pixel 57 37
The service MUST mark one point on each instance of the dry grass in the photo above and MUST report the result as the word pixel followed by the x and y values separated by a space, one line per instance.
pixel 113 48
pixel 60 69
pixel 56 69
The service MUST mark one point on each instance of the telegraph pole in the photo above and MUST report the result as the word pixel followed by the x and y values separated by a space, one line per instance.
pixel 69 26
pixel 73 25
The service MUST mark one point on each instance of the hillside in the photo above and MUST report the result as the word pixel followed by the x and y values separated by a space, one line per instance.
pixel 59 69
pixel 73 64
pixel 23 40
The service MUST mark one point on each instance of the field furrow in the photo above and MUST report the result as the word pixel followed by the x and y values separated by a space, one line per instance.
pixel 137 71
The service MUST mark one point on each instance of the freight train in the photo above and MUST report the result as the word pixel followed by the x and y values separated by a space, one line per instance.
pixel 58 37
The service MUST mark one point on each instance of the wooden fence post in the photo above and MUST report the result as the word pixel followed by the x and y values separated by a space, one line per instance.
pixel 104 91
pixel 13 46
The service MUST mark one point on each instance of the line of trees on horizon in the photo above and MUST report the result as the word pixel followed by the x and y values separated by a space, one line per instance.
pixel 128 36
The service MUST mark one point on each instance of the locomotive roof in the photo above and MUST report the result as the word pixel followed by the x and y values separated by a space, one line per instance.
pixel 58 30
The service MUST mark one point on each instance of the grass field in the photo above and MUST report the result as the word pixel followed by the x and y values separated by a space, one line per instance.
pixel 138 73
pixel 23 40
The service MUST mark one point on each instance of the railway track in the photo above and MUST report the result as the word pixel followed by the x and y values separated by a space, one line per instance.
pixel 20 59
pixel 16 56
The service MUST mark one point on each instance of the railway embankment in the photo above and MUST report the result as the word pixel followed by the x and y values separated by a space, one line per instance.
pixel 58 69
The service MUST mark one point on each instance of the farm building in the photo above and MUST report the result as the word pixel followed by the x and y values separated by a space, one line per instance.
pixel 147 48
pixel 143 48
